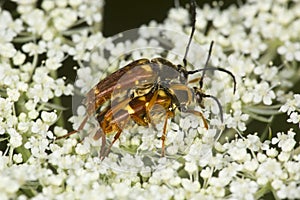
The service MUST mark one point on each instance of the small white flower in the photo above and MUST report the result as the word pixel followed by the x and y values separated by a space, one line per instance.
pixel 39 127
pixel 291 104
pixel 277 184
pixel 40 93
pixel 199 151
pixel 59 131
pixel 27 67
pixel 13 94
pixel 235 62
pixel 84 80
pixel 82 149
pixel 19 58
pixel 290 50
pixel 190 186
pixel 297 100
pixel 60 88
pixel 179 15
pixel 284 156
pixel 11 182
pixel 293 169
pixel 23 126
pixel 253 142
pixel 251 165
pixel 18 158
pixel 37 147
pixel 290 191
pixel 5 107
pixel 185 123
pixel 33 114
pixel 237 121
pixel 48 117
pixel 63 18
pixel 15 138
pixel 243 189
pixel 294 118
pixel 91 13
pixel 34 49
pixel 285 141
pixel 30 105
pixel 53 63
pixel 206 173
pixel 48 5
pixel 62 3
pixel 75 3
pixel 261 157
pixel 220 182
pixel 190 167
pixel 263 93
pixel 122 190
pixel 56 49
pixel 272 152
pixel 36 20
pixel 238 154
pixel 21 86
pixel 270 169
pixel 266 72
pixel 7 50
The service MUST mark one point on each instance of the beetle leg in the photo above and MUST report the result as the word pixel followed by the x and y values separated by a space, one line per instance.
pixel 110 124
pixel 195 80
pixel 137 119
pixel 116 137
pixel 101 134
pixel 164 135
pixel 150 105
pixel 198 113
pixel 75 131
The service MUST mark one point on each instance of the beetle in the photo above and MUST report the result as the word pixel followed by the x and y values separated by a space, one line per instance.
pixel 133 91
pixel 169 94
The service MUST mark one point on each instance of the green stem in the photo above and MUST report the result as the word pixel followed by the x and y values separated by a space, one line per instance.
pixel 271 52
pixel 24 39
pixel 264 190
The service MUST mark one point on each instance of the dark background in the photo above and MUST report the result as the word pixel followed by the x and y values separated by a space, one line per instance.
pixel 124 15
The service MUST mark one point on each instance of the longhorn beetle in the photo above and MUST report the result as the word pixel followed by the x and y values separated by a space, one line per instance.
pixel 147 83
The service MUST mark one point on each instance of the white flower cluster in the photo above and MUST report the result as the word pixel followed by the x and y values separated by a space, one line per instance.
pixel 292 108
pixel 257 41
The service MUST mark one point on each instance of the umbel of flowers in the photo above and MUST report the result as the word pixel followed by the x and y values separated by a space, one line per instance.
pixel 258 41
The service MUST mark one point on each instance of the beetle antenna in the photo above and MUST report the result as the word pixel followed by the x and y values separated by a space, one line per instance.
pixel 218 103
pixel 193 17
pixel 215 69
pixel 206 63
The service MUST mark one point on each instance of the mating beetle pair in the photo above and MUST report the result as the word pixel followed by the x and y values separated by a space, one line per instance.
pixel 143 89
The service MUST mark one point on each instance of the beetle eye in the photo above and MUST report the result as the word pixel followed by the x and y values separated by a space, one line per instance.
pixel 183 108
